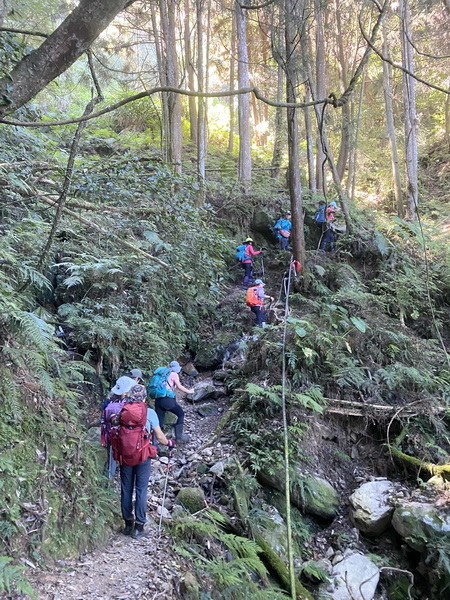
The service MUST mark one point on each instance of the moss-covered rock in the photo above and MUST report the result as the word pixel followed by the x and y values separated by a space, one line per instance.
pixel 419 523
pixel 210 355
pixel 316 496
pixel 311 494
pixel 193 499
pixel 262 223
pixel 189 587
pixel 270 525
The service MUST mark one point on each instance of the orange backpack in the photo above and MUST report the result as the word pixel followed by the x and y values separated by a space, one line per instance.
pixel 251 298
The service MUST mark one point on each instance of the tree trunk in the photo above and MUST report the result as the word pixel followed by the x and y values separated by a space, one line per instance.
pixel 57 53
pixel 319 92
pixel 232 76
pixel 163 81
pixel 3 11
pixel 295 189
pixel 345 115
pixel 447 121
pixel 201 145
pixel 309 144
pixel 168 13
pixel 390 125
pixel 278 134
pixel 309 89
pixel 245 160
pixel 190 72
pixel 409 99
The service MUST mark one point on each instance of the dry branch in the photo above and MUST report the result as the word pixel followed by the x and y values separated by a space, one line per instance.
pixel 104 232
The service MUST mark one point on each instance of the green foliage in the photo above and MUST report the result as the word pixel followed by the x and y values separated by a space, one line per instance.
pixel 231 559
pixel 314 570
pixel 12 578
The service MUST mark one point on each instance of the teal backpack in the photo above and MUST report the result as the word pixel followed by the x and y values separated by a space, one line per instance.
pixel 240 253
pixel 157 388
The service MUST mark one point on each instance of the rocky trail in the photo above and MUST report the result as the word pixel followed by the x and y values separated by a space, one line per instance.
pixel 148 567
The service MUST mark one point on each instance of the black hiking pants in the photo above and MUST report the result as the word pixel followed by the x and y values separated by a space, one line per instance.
pixel 162 405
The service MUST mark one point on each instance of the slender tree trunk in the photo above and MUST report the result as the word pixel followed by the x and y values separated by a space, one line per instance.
pixel 278 134
pixel 345 115
pixel 232 76
pixel 245 161
pixel 295 189
pixel 309 88
pixel 190 71
pixel 3 11
pixel 390 126
pixel 447 120
pixel 57 53
pixel 201 146
pixel 409 99
pixel 320 86
pixel 161 62
pixel 168 24
pixel 353 166
pixel 309 143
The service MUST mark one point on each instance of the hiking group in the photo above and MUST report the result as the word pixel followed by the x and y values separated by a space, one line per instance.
pixel 130 430
pixel 325 218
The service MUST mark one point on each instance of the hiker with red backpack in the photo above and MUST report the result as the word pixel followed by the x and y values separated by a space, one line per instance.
pixel 255 300
pixel 162 389
pixel 112 405
pixel 131 437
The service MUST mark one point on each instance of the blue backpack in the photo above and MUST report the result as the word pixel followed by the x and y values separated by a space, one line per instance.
pixel 240 253
pixel 157 388
pixel 319 217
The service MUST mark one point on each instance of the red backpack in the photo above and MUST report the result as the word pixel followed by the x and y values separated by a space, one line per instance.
pixel 130 440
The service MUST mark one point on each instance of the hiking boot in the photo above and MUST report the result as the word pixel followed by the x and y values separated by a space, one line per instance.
pixel 138 531
pixel 181 437
pixel 129 525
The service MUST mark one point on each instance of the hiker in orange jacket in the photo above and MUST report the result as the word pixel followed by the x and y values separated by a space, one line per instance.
pixel 255 300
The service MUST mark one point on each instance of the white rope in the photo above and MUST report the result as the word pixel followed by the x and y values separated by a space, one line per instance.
pixel 286 441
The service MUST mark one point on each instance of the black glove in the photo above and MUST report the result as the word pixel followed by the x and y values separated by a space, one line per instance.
pixel 171 443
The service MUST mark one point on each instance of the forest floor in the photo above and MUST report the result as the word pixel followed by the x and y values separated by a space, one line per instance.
pixel 147 567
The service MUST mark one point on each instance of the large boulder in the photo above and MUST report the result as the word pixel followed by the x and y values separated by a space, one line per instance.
pixel 191 498
pixel 208 392
pixel 224 348
pixel 311 494
pixel 263 223
pixel 417 522
pixel 355 577
pixel 371 507
pixel 210 355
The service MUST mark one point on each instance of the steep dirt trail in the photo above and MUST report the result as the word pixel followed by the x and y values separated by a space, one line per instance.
pixel 149 567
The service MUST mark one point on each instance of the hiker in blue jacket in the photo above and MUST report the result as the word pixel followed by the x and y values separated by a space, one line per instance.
pixel 162 405
pixel 282 229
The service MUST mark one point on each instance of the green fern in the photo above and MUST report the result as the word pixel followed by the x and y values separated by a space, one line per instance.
pixel 12 578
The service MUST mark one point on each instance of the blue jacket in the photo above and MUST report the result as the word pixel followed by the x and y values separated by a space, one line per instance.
pixel 282 224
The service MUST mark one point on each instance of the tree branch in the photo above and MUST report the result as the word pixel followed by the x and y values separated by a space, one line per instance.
pixel 174 90
pixel 24 32
pixel 395 65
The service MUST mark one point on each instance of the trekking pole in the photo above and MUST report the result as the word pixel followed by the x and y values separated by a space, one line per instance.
pixel 164 493
pixel 262 266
